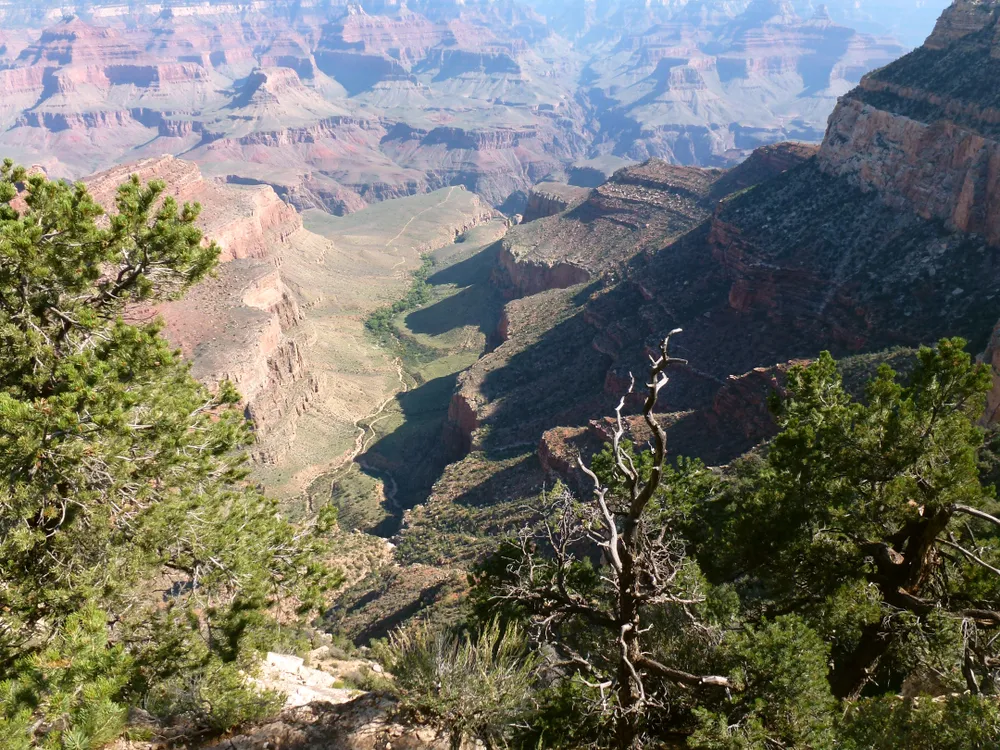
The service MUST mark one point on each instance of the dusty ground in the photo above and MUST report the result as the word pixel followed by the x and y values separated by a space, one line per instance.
pixel 350 267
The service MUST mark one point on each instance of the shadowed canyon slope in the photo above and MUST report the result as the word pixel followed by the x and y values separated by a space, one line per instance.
pixel 882 238
pixel 283 318
pixel 340 106
pixel 482 392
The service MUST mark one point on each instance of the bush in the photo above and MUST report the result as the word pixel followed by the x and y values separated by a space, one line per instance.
pixel 782 697
pixel 480 687
pixel 960 722
pixel 419 293
pixel 70 695
pixel 134 555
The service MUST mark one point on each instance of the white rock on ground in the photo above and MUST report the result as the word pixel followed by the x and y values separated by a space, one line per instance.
pixel 302 684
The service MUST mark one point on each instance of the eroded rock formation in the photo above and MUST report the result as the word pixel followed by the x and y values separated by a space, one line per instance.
pixel 885 238
pixel 338 107
pixel 239 325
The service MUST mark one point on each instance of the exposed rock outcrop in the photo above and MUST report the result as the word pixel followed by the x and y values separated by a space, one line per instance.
pixel 962 18
pixel 528 276
pixel 244 222
pixel 236 326
pixel 551 198
pixel 362 724
pixel 343 106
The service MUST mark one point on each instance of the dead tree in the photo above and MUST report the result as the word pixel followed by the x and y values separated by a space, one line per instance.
pixel 639 572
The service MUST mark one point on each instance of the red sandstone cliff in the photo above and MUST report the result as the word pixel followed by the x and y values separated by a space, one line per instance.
pixel 235 326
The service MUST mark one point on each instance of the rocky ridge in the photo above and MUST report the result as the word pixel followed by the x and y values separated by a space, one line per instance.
pixel 283 317
pixel 239 325
pixel 551 198
pixel 882 239
pixel 341 106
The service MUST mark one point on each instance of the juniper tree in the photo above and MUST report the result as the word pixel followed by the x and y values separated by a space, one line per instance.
pixel 124 486
pixel 869 518
pixel 856 554
pixel 598 621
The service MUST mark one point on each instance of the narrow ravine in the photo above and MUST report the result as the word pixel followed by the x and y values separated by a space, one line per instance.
pixel 400 448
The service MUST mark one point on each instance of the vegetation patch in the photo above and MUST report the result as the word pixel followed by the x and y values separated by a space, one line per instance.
pixel 380 322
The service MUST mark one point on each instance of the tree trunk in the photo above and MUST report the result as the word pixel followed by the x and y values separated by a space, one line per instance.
pixel 849 680
pixel 627 724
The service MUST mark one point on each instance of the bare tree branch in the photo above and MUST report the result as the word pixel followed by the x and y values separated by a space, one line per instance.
pixel 977 513
pixel 643 565
pixel 970 555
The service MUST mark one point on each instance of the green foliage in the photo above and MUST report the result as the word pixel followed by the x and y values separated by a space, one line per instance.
pixel 125 489
pixel 782 697
pixel 851 516
pixel 957 722
pixel 563 718
pixel 480 687
pixel 70 694
pixel 379 322
pixel 851 560
pixel 216 697
pixel 860 469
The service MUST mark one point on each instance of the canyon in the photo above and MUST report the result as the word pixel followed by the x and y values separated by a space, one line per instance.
pixel 339 106
pixel 336 152
pixel 452 236
pixel 872 242
pixel 876 241
pixel 282 319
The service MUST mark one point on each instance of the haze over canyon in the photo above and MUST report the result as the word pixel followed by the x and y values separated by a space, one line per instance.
pixel 338 106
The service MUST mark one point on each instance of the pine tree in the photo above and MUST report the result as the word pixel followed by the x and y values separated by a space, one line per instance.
pixel 125 490
pixel 869 518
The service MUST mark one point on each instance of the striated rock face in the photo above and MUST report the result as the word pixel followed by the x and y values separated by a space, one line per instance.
pixel 244 222
pixel 675 82
pixel 923 135
pixel 763 164
pixel 75 42
pixel 462 419
pixel 639 208
pixel 939 170
pixel 339 107
pixel 964 17
pixel 235 326
pixel 526 275
pixel 551 198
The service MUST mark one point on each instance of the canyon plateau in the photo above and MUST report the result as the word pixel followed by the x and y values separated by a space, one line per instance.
pixel 338 106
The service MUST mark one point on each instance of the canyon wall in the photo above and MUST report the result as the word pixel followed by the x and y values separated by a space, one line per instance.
pixel 341 106
pixel 883 240
pixel 239 325
pixel 551 198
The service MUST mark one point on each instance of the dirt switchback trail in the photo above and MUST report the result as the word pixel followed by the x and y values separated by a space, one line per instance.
pixel 363 424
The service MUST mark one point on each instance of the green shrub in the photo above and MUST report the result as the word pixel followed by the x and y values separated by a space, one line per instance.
pixel 480 687
pixel 71 694
pixel 134 555
pixel 959 722
pixel 380 321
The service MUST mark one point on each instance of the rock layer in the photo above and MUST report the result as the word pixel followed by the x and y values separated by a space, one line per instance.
pixel 886 238
pixel 236 326
pixel 339 107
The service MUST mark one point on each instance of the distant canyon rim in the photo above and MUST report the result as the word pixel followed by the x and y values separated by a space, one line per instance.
pixel 338 106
